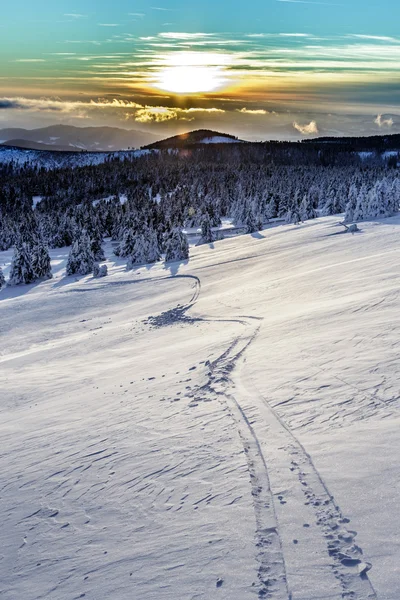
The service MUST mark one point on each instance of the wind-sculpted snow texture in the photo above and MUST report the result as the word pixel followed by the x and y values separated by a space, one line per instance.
pixel 225 427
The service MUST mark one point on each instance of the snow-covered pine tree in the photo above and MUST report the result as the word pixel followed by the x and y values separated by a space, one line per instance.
pixel 380 201
pixel 177 246
pixel 72 263
pixel 334 204
pixel 96 247
pixel 41 264
pixel 293 213
pixel 153 248
pixel 270 210
pixel 360 211
pixel 207 236
pixel 21 266
pixel 80 259
pixel 351 204
pixel 127 246
pixel 394 194
pixel 2 279
pixel 144 247
pixel 139 254
pixel 251 222
pixel 306 209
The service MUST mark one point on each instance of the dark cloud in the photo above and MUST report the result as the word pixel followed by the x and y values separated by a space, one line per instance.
pixel 5 104
pixel 22 104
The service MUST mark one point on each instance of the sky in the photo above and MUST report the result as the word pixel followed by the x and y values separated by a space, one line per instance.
pixel 265 69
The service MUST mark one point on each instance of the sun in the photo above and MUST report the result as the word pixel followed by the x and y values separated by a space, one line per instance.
pixel 192 72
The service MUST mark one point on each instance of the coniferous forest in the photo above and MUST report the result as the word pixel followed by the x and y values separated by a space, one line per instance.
pixel 145 201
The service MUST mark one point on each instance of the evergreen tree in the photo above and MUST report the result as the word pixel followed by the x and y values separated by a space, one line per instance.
pixel 351 204
pixel 146 248
pixel 127 246
pixel 270 210
pixel 2 279
pixel 80 259
pixel 153 247
pixel 21 266
pixel 97 248
pixel 177 246
pixel 41 264
pixel 293 213
pixel 307 210
pixel 207 236
pixel 139 254
pixel 361 205
pixel 251 223
pixel 334 203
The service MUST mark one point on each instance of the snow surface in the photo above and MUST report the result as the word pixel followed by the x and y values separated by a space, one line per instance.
pixel 122 199
pixel 365 155
pixel 218 139
pixel 226 427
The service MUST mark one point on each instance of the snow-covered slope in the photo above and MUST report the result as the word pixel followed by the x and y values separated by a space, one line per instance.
pixel 219 139
pixel 222 428
pixel 54 160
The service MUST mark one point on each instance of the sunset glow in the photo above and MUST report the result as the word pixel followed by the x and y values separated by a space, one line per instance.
pixel 192 73
pixel 252 69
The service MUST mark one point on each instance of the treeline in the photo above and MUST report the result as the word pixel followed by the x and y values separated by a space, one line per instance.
pixel 145 202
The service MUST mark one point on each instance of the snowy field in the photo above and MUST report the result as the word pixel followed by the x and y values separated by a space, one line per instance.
pixel 224 428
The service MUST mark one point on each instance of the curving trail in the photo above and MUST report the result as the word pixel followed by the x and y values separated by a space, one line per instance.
pixel 296 516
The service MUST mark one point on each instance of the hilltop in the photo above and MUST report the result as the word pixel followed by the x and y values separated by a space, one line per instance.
pixel 195 138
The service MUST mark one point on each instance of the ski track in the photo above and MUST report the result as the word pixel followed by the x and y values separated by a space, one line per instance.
pixel 284 482
pixel 344 558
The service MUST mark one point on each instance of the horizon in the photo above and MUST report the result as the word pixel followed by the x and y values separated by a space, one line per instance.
pixel 284 69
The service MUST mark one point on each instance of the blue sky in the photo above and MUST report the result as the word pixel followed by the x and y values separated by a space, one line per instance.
pixel 272 68
pixel 322 17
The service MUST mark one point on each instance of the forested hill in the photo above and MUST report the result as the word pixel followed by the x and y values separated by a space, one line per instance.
pixel 194 138
pixel 378 143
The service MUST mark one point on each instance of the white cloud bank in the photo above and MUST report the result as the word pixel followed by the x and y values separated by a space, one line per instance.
pixel 310 129
pixel 381 122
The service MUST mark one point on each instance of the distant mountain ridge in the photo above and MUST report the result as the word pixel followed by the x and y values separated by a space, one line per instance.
pixel 71 138
pixel 328 150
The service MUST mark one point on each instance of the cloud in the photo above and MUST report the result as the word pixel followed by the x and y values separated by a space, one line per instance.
pixel 28 104
pixel 155 114
pixel 383 122
pixel 203 110
pixel 9 104
pixel 309 2
pixel 159 114
pixel 310 129
pixel 127 109
pixel 299 35
pixel 30 60
pixel 108 24
pixel 75 15
pixel 379 38
pixel 172 35
pixel 249 111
